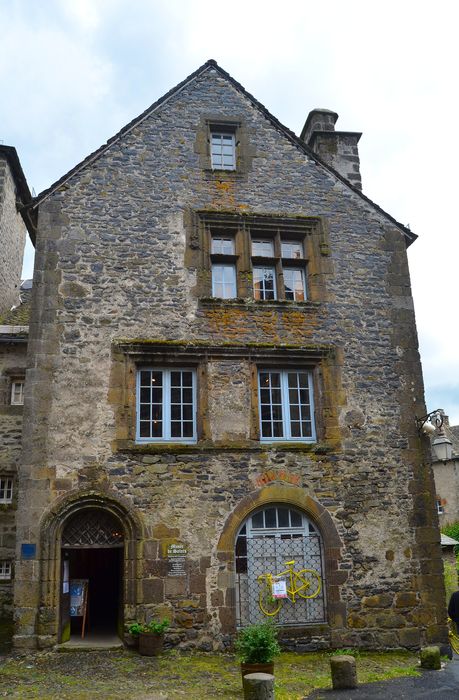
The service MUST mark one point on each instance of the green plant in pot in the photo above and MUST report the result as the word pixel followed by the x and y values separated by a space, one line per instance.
pixel 150 636
pixel 257 646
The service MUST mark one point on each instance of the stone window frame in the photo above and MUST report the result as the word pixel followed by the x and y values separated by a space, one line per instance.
pixel 311 232
pixel 130 355
pixel 166 403
pixel 244 151
pixel 6 486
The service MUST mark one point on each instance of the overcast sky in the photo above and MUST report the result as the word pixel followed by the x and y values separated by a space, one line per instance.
pixel 73 72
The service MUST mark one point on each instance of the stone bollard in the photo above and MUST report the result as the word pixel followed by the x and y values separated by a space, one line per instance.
pixel 430 658
pixel 258 686
pixel 343 672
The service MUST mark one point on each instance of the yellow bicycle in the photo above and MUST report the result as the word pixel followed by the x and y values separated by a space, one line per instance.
pixel 453 637
pixel 305 583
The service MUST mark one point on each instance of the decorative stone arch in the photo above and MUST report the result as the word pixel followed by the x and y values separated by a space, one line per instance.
pixel 294 497
pixel 52 525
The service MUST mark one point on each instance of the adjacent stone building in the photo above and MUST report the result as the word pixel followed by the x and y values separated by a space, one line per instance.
pixel 223 378
pixel 14 195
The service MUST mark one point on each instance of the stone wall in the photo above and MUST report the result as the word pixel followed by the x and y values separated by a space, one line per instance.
pixel 12 239
pixel 119 281
pixel 12 363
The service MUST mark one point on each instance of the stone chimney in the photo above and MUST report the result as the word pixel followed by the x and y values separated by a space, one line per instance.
pixel 336 148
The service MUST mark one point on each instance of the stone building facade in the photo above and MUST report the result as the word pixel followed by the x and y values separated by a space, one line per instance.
pixel 222 378
pixel 14 195
pixel 446 477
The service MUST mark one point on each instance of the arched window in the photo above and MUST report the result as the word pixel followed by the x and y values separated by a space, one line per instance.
pixel 267 543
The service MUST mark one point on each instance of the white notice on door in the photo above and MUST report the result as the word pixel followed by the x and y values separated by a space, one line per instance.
pixel 280 589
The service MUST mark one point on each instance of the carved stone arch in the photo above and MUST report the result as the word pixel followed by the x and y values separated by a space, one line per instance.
pixel 299 498
pixel 52 526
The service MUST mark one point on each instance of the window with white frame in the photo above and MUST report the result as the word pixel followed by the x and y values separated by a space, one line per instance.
pixel 222 149
pixel 264 283
pixel 5 570
pixel 6 489
pixel 166 405
pixel 294 284
pixel 440 508
pixel 275 274
pixel 286 405
pixel 17 392
pixel 223 267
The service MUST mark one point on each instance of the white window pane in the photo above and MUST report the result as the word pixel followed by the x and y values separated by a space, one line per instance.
pixel 223 151
pixel 294 284
pixel 6 489
pixel 264 286
pixel 17 393
pixel 292 249
pixel 224 281
pixel 263 248
pixel 224 246
pixel 285 405
pixel 166 405
pixel 5 570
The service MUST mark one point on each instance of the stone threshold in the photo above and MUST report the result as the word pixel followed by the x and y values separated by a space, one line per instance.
pixel 100 643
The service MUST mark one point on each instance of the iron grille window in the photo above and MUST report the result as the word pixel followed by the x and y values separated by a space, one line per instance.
pixel 92 528
pixel 166 405
pixel 268 539
pixel 6 489
pixel 286 405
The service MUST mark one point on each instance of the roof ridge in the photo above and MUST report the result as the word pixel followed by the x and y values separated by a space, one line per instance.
pixel 212 63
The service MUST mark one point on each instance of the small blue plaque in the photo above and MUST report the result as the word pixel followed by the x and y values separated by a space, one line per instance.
pixel 28 551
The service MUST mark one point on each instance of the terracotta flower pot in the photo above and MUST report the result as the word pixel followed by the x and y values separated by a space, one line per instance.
pixel 150 644
pixel 257 668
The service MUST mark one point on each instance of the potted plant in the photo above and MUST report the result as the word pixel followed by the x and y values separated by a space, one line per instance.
pixel 134 632
pixel 257 646
pixel 150 636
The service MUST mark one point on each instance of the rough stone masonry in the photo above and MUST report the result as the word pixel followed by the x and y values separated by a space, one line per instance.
pixel 123 281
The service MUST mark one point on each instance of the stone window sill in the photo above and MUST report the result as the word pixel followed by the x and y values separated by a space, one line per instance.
pixel 252 304
pixel 170 448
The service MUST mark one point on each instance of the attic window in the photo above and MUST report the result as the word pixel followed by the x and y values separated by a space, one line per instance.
pixel 223 147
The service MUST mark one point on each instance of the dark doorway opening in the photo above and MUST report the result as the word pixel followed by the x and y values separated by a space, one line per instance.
pixel 102 569
pixel 92 564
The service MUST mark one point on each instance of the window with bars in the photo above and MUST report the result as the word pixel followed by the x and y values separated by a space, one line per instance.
pixel 222 149
pixel 5 570
pixel 17 392
pixel 166 405
pixel 286 405
pixel 267 539
pixel 6 489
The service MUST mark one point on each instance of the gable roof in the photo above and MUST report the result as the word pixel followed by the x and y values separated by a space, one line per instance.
pixel 211 64
pixel 25 198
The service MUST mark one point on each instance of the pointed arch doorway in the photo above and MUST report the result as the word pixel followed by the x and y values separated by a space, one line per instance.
pixel 92 548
